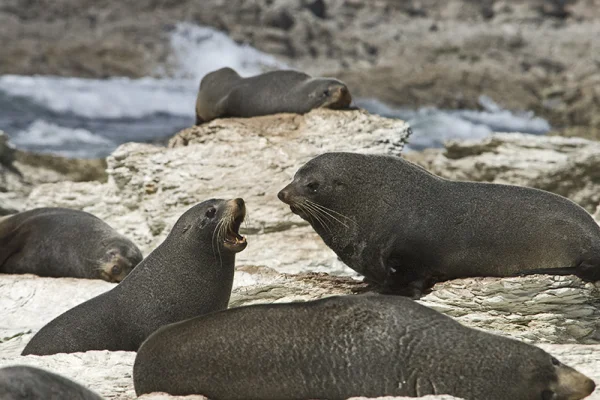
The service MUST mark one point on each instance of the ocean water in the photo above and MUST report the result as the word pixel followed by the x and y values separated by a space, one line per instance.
pixel 89 118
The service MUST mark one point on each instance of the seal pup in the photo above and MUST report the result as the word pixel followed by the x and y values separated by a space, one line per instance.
pixel 189 274
pixel 21 382
pixel 224 93
pixel 405 228
pixel 60 242
pixel 342 347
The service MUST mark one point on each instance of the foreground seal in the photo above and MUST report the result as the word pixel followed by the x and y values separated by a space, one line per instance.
pixel 224 93
pixel 403 227
pixel 189 274
pixel 22 382
pixel 342 347
pixel 59 242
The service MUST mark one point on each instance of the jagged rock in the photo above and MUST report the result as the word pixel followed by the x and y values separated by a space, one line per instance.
pixel 149 187
pixel 534 309
pixel 566 166
pixel 20 171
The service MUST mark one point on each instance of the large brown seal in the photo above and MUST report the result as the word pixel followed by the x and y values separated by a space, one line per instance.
pixel 403 227
pixel 342 347
pixel 189 274
pixel 22 382
pixel 224 93
pixel 60 242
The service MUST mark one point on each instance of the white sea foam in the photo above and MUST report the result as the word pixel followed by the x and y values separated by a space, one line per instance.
pixel 48 137
pixel 198 50
pixel 116 110
pixel 432 127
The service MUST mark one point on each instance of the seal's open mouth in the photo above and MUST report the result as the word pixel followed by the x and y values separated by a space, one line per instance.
pixel 233 240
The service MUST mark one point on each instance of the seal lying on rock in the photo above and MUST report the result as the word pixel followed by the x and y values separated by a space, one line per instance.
pixel 224 93
pixel 22 382
pixel 59 242
pixel 406 229
pixel 189 274
pixel 341 347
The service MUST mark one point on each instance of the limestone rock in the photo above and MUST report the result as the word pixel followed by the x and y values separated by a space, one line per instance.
pixel 149 187
pixel 566 166
pixel 20 171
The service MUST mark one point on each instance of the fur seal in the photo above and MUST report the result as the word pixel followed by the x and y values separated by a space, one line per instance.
pixel 346 346
pixel 60 242
pixel 403 227
pixel 224 93
pixel 189 274
pixel 22 382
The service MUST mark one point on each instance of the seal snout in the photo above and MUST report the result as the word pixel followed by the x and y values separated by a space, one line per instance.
pixel 340 96
pixel 234 215
pixel 116 269
pixel 284 195
pixel 572 385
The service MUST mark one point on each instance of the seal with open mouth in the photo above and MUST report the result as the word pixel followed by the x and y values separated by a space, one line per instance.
pixel 224 93
pixel 60 242
pixel 189 274
pixel 405 228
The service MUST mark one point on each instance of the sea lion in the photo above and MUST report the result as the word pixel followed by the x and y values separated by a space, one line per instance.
pixel 224 93
pixel 22 382
pixel 405 228
pixel 189 274
pixel 342 347
pixel 59 242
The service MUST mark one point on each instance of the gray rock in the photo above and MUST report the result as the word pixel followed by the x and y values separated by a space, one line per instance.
pixel 566 166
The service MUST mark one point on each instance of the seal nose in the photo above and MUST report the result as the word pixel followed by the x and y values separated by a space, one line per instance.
pixel 283 195
pixel 590 386
pixel 239 202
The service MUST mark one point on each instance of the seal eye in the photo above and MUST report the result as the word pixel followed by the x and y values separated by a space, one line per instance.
pixel 116 270
pixel 555 361
pixel 313 186
pixel 548 395
pixel 211 212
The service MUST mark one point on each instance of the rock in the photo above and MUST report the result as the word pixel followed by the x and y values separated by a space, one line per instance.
pixel 534 309
pixel 566 166
pixel 20 171
pixel 518 49
pixel 149 187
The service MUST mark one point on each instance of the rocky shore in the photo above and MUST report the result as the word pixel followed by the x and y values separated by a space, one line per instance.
pixel 148 187
pixel 538 55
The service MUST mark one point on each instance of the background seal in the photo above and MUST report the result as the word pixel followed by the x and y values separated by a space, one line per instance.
pixel 224 93
pixel 60 242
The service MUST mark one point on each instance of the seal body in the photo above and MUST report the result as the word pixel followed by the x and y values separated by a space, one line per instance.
pixel 22 382
pixel 224 93
pixel 189 274
pixel 401 226
pixel 342 347
pixel 60 242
